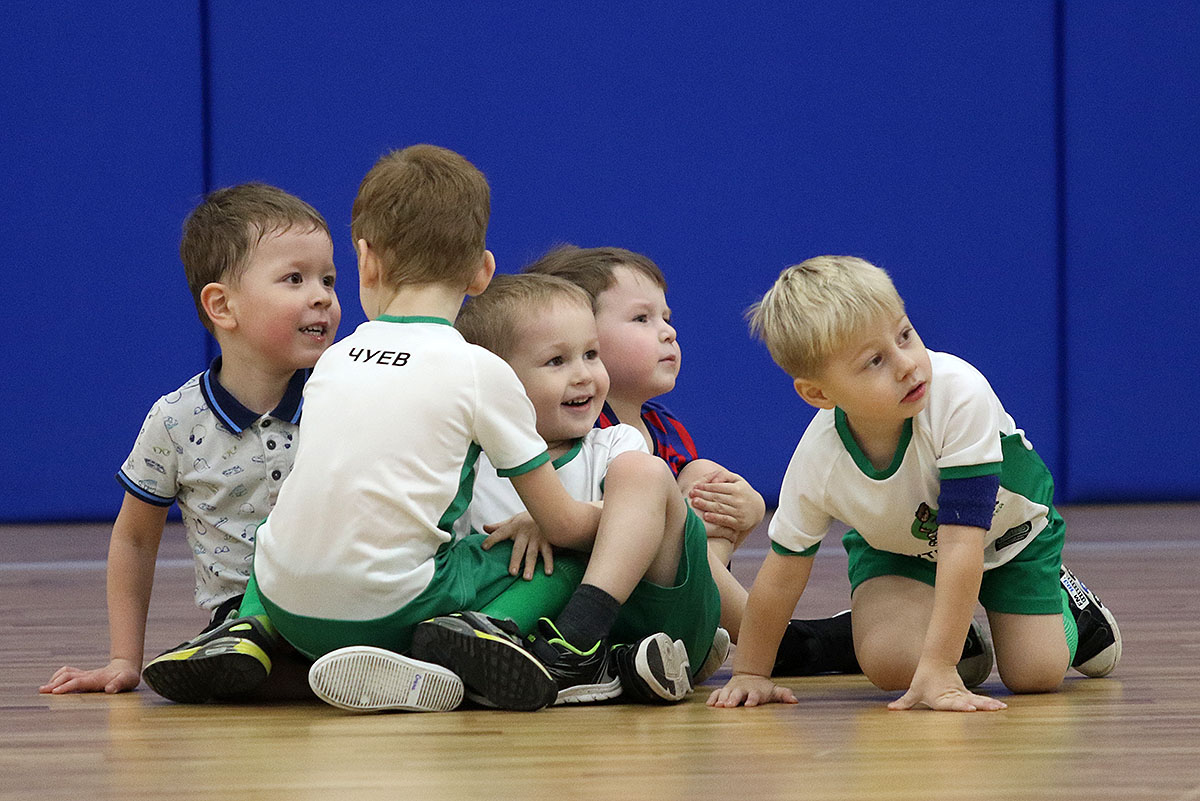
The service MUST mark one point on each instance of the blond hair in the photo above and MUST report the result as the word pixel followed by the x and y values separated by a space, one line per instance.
pixel 494 319
pixel 221 233
pixel 424 210
pixel 817 306
pixel 594 269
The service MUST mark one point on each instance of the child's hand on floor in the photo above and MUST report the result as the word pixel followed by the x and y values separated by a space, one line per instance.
pixel 746 689
pixel 940 688
pixel 118 676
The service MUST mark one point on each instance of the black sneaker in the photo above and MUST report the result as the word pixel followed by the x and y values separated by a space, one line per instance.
pixel 812 647
pixel 1099 648
pixel 653 670
pixel 488 656
pixel 978 656
pixel 581 676
pixel 224 663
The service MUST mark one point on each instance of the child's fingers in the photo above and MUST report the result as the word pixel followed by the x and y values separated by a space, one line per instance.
pixel 532 550
pixel 986 704
pixel 906 701
pixel 726 698
pixel 518 555
pixel 728 522
pixel 784 695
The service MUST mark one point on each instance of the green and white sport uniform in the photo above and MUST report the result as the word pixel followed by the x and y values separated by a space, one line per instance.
pixel 360 546
pixel 689 610
pixel 962 432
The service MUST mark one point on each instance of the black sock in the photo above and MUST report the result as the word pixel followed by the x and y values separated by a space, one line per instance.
pixel 588 617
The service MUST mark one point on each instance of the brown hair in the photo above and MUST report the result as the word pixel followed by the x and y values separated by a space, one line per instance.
pixel 424 210
pixel 493 318
pixel 594 268
pixel 221 233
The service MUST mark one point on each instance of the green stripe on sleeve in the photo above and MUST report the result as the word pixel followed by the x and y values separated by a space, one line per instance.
pixel 782 551
pixel 971 470
pixel 521 469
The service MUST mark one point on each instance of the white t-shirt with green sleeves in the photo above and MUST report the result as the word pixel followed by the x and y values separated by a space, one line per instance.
pixel 395 417
pixel 962 432
pixel 581 469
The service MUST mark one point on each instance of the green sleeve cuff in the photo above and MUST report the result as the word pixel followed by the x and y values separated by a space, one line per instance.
pixel 522 469
pixel 809 551
pixel 971 470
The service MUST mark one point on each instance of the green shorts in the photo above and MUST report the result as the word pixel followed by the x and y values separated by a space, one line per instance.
pixel 689 611
pixel 1025 585
pixel 465 577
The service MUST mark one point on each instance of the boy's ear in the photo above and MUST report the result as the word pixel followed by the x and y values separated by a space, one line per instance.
pixel 812 394
pixel 214 298
pixel 369 269
pixel 484 277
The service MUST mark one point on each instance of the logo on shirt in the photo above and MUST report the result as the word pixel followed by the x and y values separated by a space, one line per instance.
pixel 925 525
pixel 1014 534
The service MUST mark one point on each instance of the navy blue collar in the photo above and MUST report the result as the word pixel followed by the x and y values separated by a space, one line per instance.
pixel 237 417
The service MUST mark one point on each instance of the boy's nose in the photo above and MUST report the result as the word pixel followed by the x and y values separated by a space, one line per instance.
pixel 668 332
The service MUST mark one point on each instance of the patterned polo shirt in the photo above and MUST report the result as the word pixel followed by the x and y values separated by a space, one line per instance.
pixel 672 442
pixel 223 464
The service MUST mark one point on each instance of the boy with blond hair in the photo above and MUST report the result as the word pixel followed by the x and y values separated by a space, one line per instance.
pixel 947 502
pixel 259 263
pixel 647 580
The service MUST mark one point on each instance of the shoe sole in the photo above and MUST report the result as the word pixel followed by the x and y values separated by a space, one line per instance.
pixel 496 671
pixel 365 679
pixel 1106 661
pixel 225 668
pixel 975 670
pixel 589 693
pixel 663 667
pixel 718 652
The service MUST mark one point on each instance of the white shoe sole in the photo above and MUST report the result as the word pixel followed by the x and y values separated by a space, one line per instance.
pixel 663 666
pixel 365 679
pixel 717 654
pixel 1104 662
pixel 589 693
pixel 975 670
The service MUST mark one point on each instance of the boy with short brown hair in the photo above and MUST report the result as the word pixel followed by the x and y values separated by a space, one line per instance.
pixel 259 263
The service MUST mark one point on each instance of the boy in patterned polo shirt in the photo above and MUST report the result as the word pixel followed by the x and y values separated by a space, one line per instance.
pixel 947 502
pixel 259 263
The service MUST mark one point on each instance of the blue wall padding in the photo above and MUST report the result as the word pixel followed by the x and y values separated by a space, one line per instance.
pixel 724 142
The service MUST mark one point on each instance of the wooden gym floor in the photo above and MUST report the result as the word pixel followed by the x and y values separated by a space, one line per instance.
pixel 1135 735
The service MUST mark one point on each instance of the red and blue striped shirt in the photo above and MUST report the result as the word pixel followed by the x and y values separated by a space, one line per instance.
pixel 672 442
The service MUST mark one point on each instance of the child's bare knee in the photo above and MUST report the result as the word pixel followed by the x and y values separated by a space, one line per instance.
pixel 646 469
pixel 886 674
pixel 1045 676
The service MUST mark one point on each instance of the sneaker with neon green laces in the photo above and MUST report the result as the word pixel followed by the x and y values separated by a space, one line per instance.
pixel 582 676
pixel 490 658
pixel 225 663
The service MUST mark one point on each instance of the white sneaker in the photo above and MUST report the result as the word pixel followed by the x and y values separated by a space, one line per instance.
pixel 718 652
pixel 365 679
